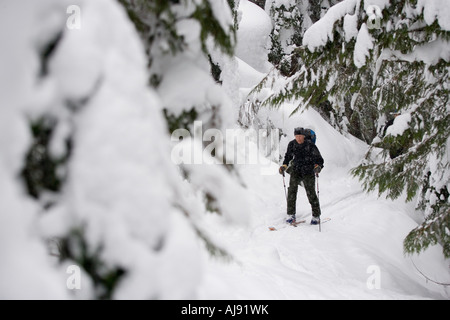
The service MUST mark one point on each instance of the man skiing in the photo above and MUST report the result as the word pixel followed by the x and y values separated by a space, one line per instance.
pixel 303 162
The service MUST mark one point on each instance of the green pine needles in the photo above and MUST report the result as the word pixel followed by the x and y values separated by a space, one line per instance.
pixel 370 66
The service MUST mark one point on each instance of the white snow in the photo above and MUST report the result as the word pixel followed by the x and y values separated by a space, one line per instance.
pixel 350 26
pixel 121 182
pixel 401 123
pixel 123 188
pixel 322 31
pixel 358 254
pixel 248 76
pixel 253 40
pixel 435 9
pixel 364 43
pixel 363 239
pixel 24 262
pixel 429 53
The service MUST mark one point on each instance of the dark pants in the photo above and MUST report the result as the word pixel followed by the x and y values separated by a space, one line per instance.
pixel 309 184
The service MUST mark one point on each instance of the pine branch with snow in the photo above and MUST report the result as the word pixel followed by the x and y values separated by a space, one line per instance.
pixel 364 60
pixel 86 146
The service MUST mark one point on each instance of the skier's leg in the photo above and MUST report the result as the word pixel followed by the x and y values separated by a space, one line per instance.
pixel 309 183
pixel 292 194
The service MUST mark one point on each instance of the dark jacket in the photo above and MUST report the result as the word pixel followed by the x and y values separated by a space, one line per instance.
pixel 305 155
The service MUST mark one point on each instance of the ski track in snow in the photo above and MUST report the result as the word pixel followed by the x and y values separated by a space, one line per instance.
pixel 303 263
pixel 363 243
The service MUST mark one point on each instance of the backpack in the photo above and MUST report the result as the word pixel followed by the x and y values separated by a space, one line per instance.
pixel 311 135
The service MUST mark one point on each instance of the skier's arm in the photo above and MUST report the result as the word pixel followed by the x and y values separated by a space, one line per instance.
pixel 289 154
pixel 318 160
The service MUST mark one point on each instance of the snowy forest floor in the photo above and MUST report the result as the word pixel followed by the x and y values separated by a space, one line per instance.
pixel 358 254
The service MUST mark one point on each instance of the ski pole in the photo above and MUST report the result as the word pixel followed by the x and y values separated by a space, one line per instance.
pixel 284 184
pixel 318 198
pixel 318 191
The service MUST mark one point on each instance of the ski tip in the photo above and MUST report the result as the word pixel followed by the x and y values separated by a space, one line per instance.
pixel 272 229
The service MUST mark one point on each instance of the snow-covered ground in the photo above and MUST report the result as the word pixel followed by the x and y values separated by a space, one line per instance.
pixel 123 189
pixel 358 254
pixel 361 245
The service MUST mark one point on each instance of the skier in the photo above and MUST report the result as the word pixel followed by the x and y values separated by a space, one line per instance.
pixel 303 162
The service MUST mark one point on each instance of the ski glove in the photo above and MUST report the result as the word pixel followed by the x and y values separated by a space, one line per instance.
pixel 317 169
pixel 283 169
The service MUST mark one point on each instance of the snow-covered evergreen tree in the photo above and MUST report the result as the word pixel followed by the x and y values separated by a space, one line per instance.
pixel 366 59
pixel 291 19
pixel 190 46
pixel 86 149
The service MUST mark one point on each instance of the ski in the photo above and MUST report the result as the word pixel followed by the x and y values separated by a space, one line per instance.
pixel 324 220
pixel 295 224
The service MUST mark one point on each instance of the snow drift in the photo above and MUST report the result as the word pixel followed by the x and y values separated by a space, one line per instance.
pixel 131 203
pixel 359 253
